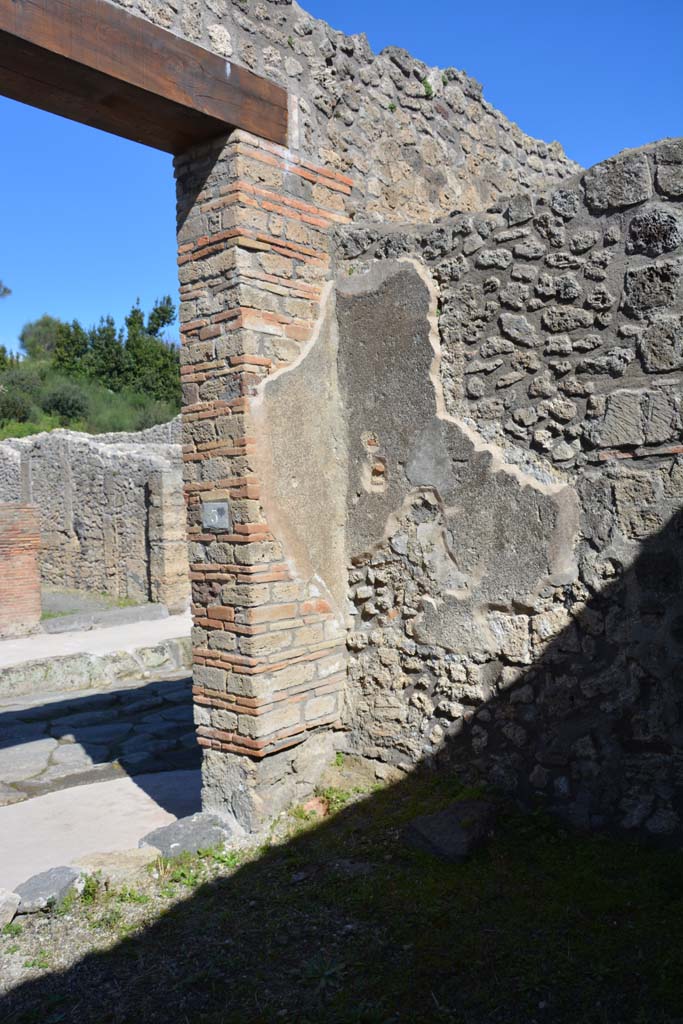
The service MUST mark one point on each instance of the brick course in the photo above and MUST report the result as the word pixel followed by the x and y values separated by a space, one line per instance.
pixel 19 577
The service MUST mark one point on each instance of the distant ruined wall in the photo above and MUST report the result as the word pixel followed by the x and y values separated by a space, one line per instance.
pixel 111 510
pixel 512 383
pixel 423 141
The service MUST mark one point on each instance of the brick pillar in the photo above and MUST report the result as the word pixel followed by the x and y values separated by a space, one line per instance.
pixel 19 576
pixel 268 650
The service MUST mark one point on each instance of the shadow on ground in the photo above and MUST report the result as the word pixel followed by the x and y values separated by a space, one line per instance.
pixel 343 923
pixel 89 737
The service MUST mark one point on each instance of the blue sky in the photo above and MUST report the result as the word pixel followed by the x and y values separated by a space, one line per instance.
pixel 88 220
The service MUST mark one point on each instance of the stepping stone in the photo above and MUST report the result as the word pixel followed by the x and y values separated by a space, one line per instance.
pixel 9 904
pixel 454 833
pixel 73 755
pixel 179 714
pixel 14 733
pixel 184 759
pixel 188 835
pixel 153 725
pixel 108 734
pixel 80 719
pixel 136 706
pixel 48 889
pixel 26 760
pixel 144 744
pixel 143 764
pixel 70 705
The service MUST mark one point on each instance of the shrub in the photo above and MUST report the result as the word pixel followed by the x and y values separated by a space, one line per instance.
pixel 26 378
pixel 15 405
pixel 66 400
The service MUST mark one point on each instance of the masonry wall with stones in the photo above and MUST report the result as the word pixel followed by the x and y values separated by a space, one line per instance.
pixel 469 515
pixel 422 139
pixel 512 387
pixel 20 608
pixel 378 137
pixel 111 510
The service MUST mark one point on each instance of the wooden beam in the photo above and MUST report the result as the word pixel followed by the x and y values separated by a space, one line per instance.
pixel 93 62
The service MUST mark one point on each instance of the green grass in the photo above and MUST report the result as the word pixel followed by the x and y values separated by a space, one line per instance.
pixel 130 895
pixel 46 616
pixel 343 924
pixel 41 961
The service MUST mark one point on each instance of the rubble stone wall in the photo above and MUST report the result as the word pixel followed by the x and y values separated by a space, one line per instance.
pixel 422 139
pixel 111 510
pixel 502 421
pixel 516 492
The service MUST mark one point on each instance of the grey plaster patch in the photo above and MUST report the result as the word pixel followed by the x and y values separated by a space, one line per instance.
pixel 302 469
pixel 488 512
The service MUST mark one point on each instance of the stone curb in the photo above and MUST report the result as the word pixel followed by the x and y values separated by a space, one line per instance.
pixel 88 671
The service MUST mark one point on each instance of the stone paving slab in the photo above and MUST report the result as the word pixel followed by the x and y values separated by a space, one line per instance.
pixel 66 826
pixel 74 739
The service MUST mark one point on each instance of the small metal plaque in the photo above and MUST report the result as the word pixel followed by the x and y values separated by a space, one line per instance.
pixel 216 515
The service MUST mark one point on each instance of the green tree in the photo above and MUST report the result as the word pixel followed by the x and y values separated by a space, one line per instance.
pixel 153 365
pixel 106 359
pixel 71 348
pixel 162 315
pixel 4 290
pixel 39 337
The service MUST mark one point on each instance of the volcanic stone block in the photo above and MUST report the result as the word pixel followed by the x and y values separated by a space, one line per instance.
pixel 452 834
pixel 651 287
pixel 47 890
pixel 655 231
pixel 661 346
pixel 622 181
pixel 188 835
